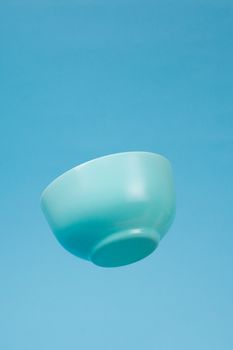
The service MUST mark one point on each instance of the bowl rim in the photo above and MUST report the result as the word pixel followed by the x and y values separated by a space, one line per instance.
pixel 112 155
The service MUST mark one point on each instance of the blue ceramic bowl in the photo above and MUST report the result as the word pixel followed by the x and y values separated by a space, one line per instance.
pixel 112 210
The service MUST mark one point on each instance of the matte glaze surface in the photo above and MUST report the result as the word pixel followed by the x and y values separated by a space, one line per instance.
pixel 113 210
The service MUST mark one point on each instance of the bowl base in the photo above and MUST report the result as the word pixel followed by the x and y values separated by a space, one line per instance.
pixel 125 247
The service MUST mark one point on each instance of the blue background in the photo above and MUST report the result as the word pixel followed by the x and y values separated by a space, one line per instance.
pixel 81 79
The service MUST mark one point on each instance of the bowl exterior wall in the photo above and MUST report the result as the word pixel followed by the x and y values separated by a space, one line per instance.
pixel 126 191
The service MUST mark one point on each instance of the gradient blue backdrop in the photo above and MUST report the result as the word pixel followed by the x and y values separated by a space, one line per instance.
pixel 81 79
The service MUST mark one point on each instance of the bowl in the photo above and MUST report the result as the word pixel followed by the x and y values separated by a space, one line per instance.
pixel 113 210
